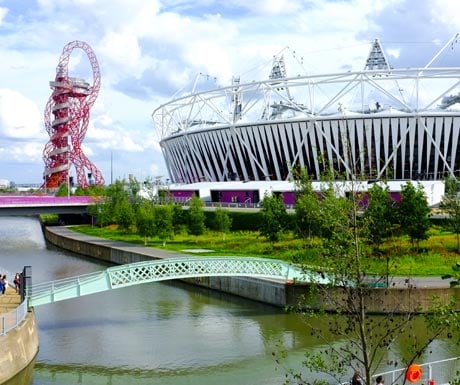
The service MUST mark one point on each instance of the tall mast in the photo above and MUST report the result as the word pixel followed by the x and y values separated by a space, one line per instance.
pixel 377 59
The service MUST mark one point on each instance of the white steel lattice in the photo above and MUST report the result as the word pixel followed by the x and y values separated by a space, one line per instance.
pixel 126 275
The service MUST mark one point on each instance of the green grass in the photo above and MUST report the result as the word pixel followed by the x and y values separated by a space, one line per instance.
pixel 435 256
pixel 49 218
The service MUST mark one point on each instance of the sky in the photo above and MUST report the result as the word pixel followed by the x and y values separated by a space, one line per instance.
pixel 149 50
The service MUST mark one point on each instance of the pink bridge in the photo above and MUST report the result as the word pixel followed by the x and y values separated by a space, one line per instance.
pixel 25 204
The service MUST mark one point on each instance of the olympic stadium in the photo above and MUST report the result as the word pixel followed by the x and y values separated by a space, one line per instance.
pixel 376 124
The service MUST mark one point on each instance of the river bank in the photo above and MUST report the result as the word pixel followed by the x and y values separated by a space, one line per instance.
pixel 414 295
pixel 20 347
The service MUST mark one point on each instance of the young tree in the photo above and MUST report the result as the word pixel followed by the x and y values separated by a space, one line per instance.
pixel 100 211
pixel 455 276
pixel 379 214
pixel 334 216
pixel 63 190
pixel 413 213
pixel 164 222
pixel 196 217
pixel 93 190
pixel 145 220
pixel 125 217
pixel 115 194
pixel 274 216
pixel 451 206
pixel 307 207
pixel 354 339
pixel 133 188
pixel 180 219
pixel 222 221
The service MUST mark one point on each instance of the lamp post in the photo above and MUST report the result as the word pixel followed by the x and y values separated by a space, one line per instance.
pixel 68 172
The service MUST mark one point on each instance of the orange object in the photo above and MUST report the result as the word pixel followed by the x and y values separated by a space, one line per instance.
pixel 414 373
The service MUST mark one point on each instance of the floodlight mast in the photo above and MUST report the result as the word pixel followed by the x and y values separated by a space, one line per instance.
pixel 66 121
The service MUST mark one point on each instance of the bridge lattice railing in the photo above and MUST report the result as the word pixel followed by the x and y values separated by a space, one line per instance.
pixel 187 268
pixel 165 269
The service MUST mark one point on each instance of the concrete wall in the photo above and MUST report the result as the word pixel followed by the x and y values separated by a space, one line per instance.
pixel 273 292
pixel 378 300
pixel 262 290
pixel 19 348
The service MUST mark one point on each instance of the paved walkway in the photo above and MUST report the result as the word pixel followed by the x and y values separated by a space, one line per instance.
pixel 9 301
pixel 420 282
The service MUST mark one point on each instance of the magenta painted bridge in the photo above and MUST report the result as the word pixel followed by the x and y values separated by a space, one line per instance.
pixel 25 204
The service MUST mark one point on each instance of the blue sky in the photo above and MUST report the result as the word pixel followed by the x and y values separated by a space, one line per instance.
pixel 149 49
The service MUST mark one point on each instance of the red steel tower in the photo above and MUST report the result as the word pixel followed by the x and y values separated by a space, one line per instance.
pixel 66 121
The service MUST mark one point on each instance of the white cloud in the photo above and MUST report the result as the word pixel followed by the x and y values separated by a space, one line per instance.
pixel 3 12
pixel 19 116
pixel 123 49
pixel 446 13
pixel 26 152
pixel 269 7
pixel 393 53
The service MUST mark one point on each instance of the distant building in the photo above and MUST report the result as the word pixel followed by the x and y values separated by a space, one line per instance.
pixel 242 194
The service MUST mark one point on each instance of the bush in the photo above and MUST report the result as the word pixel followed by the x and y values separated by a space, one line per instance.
pixel 245 221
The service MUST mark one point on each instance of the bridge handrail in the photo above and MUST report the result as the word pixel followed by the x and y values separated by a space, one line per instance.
pixel 13 318
pixel 279 268
pixel 434 373
pixel 46 287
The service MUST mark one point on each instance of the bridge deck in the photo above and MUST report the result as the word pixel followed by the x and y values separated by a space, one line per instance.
pixel 26 204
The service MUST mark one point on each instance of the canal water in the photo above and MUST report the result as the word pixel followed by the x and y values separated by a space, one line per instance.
pixel 158 333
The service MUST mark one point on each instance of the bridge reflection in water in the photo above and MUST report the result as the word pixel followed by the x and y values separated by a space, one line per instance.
pixel 436 372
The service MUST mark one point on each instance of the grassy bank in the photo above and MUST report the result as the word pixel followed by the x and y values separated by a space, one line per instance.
pixel 435 257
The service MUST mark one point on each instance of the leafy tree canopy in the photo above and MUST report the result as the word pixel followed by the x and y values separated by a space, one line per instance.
pixel 274 216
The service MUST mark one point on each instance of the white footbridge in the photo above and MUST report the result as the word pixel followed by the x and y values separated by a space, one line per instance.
pixel 166 269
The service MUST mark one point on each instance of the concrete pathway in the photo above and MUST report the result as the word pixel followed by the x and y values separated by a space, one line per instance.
pixel 9 301
pixel 420 282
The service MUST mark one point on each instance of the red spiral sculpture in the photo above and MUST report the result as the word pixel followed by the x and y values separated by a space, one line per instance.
pixel 66 121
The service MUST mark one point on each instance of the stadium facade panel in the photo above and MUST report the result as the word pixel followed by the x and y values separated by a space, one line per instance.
pixel 421 147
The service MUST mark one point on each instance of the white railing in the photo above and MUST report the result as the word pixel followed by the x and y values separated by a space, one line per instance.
pixel 13 318
pixel 433 373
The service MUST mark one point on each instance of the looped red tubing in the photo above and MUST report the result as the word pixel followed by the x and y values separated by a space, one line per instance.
pixel 414 373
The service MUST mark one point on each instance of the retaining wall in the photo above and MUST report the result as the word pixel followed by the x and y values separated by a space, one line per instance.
pixel 273 292
pixel 19 347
